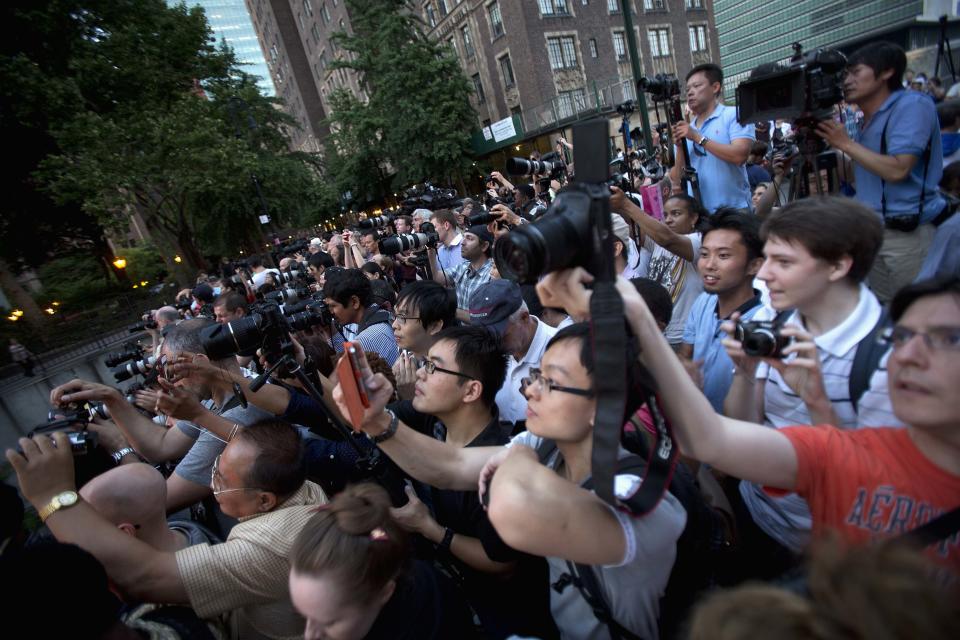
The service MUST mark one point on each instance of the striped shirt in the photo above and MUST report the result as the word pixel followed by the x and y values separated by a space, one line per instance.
pixel 377 337
pixel 466 280
pixel 787 519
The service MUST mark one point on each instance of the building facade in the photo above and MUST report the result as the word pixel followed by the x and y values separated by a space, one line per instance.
pixel 230 21
pixel 752 33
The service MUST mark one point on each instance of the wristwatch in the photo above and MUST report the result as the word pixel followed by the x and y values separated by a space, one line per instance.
pixel 444 545
pixel 60 501
pixel 118 455
pixel 702 141
pixel 391 429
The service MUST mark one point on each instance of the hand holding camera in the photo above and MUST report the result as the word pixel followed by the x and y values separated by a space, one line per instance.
pixel 45 468
pixel 82 391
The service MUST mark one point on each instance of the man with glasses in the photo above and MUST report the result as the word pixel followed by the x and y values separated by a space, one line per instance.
pixel 454 403
pixel 498 307
pixel 423 308
pixel 259 479
pixel 718 146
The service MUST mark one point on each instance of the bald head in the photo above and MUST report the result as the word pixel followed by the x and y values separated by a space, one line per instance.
pixel 166 315
pixel 129 494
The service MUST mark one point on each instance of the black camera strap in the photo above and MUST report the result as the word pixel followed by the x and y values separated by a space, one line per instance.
pixel 883 183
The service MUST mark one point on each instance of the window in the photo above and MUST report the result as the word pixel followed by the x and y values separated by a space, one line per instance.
pixel 694 4
pixel 659 42
pixel 570 102
pixel 467 43
pixel 593 48
pixel 553 7
pixel 698 38
pixel 654 5
pixel 315 33
pixel 563 52
pixel 613 6
pixel 507 70
pixel 496 20
pixel 478 85
pixel 325 13
pixel 303 23
pixel 620 45
pixel 274 52
pixel 453 45
pixel 443 7
pixel 431 14
pixel 323 60
pixel 308 7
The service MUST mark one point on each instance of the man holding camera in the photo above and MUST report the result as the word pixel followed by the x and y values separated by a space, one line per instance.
pixel 718 145
pixel 897 161
pixel 468 276
pixel 350 299
pixel 825 315
pixel 448 249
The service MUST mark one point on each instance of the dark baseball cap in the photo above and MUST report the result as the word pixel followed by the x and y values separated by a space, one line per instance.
pixel 492 304
pixel 482 232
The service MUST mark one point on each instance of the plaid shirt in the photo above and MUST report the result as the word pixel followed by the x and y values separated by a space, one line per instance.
pixel 466 280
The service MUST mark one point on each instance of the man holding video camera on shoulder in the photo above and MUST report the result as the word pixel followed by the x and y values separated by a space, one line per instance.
pixel 897 161
pixel 716 144
pixel 802 360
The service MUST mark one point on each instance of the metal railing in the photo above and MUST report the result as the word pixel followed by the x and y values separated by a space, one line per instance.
pixel 579 103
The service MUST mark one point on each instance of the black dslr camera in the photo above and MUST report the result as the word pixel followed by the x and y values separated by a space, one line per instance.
pixel 762 338
pixel 662 87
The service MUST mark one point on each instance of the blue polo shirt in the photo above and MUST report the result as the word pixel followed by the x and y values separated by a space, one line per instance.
pixel 450 257
pixel 703 332
pixel 721 183
pixel 913 124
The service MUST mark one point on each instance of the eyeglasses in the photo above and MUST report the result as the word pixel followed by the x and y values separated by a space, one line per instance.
pixel 938 338
pixel 403 318
pixel 431 366
pixel 549 385
pixel 216 482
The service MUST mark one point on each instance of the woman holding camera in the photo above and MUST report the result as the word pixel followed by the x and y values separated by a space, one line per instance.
pixel 352 576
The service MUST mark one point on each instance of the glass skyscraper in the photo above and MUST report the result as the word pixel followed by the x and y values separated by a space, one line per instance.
pixel 230 21
pixel 752 32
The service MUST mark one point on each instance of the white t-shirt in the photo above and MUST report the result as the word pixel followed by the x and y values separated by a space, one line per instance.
pixel 633 587
pixel 680 278
pixel 510 402
pixel 261 277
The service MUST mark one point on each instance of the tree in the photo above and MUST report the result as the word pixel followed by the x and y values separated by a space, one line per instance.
pixel 417 120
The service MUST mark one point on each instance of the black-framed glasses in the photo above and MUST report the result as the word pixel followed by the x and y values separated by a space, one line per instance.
pixel 549 385
pixel 431 366
pixel 935 339
pixel 403 318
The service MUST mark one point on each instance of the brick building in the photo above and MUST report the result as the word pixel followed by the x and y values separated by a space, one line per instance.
pixel 538 65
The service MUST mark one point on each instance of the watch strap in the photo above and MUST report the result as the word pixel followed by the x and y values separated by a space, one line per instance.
pixel 55 505
pixel 444 545
pixel 703 139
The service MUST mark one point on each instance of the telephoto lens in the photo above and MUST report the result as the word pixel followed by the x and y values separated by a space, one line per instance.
pixel 137 367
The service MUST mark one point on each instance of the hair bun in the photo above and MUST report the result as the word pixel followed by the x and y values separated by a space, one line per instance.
pixel 361 508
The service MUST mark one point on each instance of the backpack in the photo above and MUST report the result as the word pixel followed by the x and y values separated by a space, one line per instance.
pixel 867 359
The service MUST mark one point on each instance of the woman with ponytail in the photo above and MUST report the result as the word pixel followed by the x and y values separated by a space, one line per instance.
pixel 352 576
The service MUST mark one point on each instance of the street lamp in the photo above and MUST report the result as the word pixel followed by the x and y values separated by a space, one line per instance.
pixel 120 263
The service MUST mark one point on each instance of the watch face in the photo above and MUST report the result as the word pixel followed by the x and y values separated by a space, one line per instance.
pixel 67 498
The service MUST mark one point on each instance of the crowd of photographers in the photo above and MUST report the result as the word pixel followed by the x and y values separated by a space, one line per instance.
pixel 782 394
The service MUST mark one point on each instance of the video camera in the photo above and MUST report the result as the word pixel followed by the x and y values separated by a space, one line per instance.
pixel 426 237
pixel 427 196
pixel 806 88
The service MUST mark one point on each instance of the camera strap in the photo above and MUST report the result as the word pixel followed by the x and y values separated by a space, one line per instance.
pixel 883 183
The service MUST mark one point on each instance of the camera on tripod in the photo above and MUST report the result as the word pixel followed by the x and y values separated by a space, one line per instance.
pixel 805 89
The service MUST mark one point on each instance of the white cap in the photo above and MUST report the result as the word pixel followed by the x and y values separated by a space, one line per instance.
pixel 316 242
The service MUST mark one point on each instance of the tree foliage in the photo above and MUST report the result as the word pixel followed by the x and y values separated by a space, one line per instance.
pixel 417 121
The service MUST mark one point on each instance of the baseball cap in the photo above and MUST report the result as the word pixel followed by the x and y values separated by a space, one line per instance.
pixel 492 304
pixel 316 242
pixel 620 229
pixel 482 232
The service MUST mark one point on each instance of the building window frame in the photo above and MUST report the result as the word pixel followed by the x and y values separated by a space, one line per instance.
pixel 478 88
pixel 554 8
pixel 468 49
pixel 506 71
pixel 699 38
pixel 496 19
pixel 659 39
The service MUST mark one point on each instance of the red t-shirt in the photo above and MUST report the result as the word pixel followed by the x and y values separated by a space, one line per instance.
pixel 873 483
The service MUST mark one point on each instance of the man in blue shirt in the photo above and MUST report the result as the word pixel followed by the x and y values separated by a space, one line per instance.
pixel 718 146
pixel 349 298
pixel 731 254
pixel 897 161
pixel 448 249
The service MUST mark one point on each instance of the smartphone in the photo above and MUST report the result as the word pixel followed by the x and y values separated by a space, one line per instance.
pixel 351 384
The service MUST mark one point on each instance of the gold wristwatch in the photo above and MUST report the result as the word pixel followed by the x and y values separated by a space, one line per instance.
pixel 60 501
